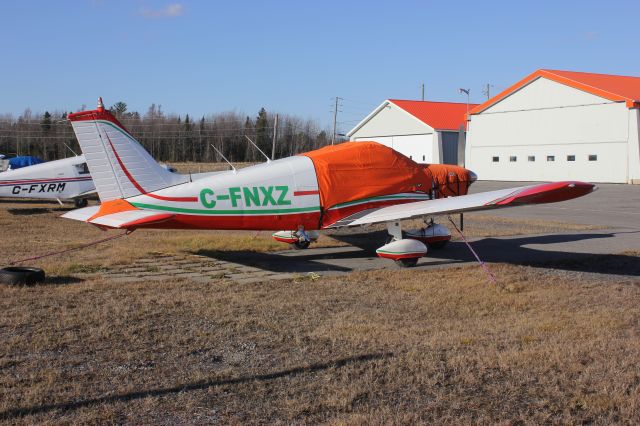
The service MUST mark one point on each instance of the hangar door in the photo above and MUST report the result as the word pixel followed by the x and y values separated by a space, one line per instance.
pixel 416 147
pixel 450 147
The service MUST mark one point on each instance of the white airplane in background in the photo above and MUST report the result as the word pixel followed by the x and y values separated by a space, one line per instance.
pixel 61 180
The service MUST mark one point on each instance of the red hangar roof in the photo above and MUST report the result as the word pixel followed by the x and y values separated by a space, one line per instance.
pixel 617 88
pixel 439 115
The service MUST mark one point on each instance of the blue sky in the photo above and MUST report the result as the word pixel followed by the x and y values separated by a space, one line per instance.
pixel 201 57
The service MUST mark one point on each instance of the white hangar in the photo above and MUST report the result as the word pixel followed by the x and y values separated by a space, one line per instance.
pixel 426 132
pixel 558 125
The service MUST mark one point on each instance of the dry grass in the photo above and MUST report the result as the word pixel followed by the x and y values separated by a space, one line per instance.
pixel 365 348
pixel 377 347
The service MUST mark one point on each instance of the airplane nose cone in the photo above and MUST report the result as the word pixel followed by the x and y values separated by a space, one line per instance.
pixel 472 176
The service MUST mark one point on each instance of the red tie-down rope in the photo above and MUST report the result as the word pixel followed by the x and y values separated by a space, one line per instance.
pixel 491 277
pixel 93 243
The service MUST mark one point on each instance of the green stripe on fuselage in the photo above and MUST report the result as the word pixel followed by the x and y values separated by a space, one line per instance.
pixel 236 212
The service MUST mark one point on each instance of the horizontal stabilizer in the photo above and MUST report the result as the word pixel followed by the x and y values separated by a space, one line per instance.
pixel 82 214
pixel 534 194
pixel 118 214
pixel 131 219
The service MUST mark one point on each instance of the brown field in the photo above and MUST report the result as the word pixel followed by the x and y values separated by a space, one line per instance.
pixel 390 346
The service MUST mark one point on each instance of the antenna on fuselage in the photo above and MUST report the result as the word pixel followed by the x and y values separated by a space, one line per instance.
pixel 223 157
pixel 256 146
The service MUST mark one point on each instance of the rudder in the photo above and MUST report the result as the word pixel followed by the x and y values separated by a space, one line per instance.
pixel 119 165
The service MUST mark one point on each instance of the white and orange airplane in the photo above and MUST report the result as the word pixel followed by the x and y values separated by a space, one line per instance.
pixel 353 183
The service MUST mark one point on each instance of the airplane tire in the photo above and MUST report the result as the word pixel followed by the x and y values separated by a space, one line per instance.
pixel 16 275
pixel 407 263
pixel 81 202
pixel 301 245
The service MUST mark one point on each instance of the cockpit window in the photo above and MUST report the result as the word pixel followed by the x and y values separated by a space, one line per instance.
pixel 83 169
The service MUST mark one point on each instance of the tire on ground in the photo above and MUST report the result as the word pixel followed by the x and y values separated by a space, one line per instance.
pixel 301 245
pixel 409 262
pixel 21 275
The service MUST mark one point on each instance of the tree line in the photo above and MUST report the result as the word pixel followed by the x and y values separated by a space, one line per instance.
pixel 169 137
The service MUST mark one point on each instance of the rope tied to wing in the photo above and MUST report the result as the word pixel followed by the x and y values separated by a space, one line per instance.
pixel 490 275
pixel 93 243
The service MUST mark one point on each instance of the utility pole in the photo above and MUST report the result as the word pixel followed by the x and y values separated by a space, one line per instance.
pixel 487 90
pixel 423 91
pixel 335 118
pixel 275 136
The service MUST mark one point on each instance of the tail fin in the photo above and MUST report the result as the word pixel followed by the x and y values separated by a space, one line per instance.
pixel 119 165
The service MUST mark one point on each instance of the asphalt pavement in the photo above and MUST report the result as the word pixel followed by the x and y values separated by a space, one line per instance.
pixel 616 208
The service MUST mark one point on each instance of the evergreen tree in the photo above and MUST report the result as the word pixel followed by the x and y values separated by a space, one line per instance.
pixel 45 125
pixel 46 122
pixel 119 109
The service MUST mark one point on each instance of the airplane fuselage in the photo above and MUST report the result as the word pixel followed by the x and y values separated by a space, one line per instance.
pixel 281 194
pixel 60 179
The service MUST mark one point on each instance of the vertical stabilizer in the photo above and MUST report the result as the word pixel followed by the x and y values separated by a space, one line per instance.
pixel 119 165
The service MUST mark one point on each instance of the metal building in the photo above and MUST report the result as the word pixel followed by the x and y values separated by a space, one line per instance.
pixel 558 125
pixel 424 131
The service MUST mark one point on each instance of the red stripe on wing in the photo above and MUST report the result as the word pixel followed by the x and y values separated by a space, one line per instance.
pixel 546 193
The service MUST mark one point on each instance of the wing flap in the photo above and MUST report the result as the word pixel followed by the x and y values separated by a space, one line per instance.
pixel 534 194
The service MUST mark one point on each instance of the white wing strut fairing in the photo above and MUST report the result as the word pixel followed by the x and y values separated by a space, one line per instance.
pixel 534 194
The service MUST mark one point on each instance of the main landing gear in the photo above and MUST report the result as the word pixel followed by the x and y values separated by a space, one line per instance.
pixel 406 248
pixel 299 239
pixel 80 202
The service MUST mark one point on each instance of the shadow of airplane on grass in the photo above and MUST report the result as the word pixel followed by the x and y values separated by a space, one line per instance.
pixel 28 211
pixel 292 372
pixel 511 250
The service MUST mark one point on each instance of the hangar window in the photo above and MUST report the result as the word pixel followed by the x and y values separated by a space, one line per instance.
pixel 532 158
pixel 551 158
pixel 571 158
pixel 593 157
pixel 513 158
pixel 496 159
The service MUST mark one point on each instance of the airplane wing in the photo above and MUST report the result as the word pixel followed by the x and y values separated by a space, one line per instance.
pixel 534 194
